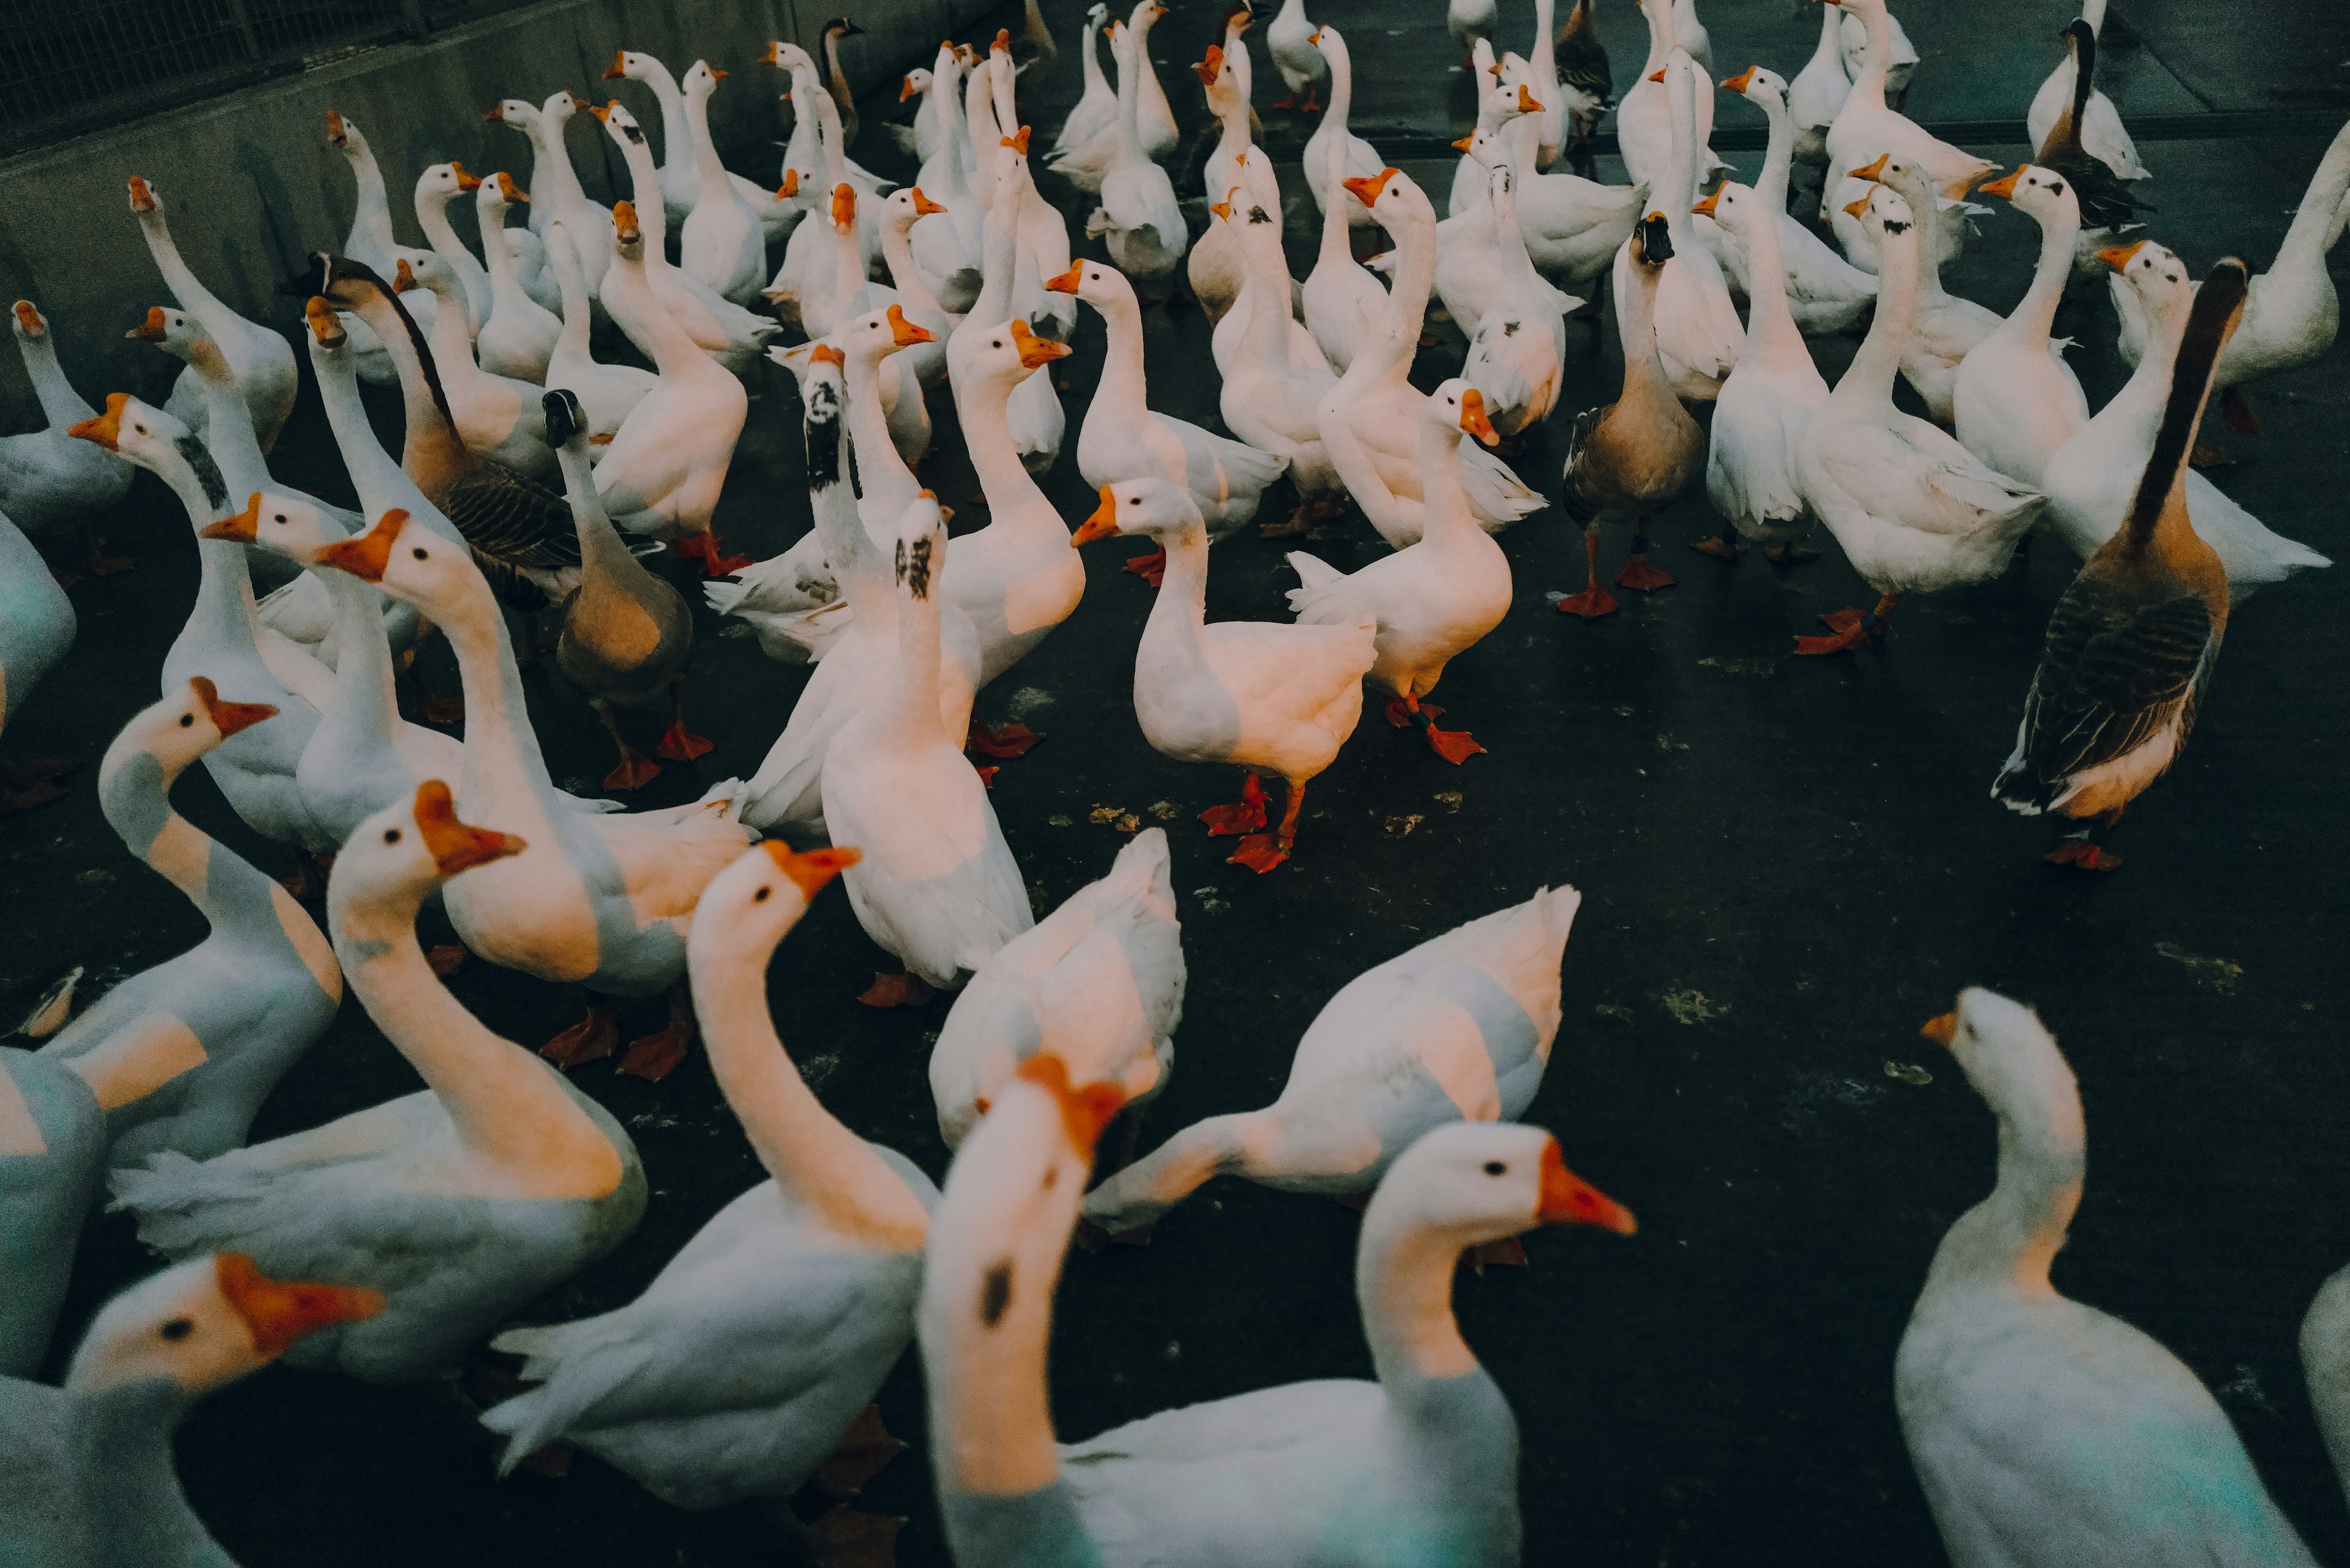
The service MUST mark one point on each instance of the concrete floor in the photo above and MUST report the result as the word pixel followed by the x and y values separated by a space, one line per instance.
pixel 1788 865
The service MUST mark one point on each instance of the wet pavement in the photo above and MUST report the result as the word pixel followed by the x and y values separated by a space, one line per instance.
pixel 1788 864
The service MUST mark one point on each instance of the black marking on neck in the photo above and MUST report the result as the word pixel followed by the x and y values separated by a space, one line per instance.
pixel 996 1294
pixel 1896 226
pixel 200 462
pixel 823 434
pixel 914 566
pixel 633 132
pixel 2216 303
pixel 1257 215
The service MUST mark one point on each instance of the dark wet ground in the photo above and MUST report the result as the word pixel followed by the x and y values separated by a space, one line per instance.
pixel 1787 865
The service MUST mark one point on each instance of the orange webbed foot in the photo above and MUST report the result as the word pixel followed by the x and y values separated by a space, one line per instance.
pixel 1246 818
pixel 897 991
pixel 1151 568
pixel 596 1036
pixel 2236 412
pixel 1453 745
pixel 1642 577
pixel 632 773
pixel 1590 604
pixel 1001 741
pixel 1789 555
pixel 1720 549
pixel 655 1056
pixel 2084 856
pixel 682 745
pixel 1259 852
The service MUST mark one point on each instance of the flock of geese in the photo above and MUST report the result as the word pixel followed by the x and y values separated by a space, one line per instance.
pixel 535 479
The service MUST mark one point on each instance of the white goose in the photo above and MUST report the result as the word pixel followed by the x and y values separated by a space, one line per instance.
pixel 435 189
pixel 461 1201
pixel 1698 329
pixel 1099 983
pixel 722 242
pixel 516 338
pixel 1914 510
pixel 1457 1028
pixel 259 358
pixel 497 416
pixel 937 885
pixel 1097 106
pixel 1865 129
pixel 1266 399
pixel 1289 39
pixel 370 240
pixel 1214 268
pixel 1825 293
pixel 1946 327
pixel 1344 302
pixel 1770 398
pixel 1333 138
pixel 607 393
pixel 553 184
pixel 1138 219
pixel 1819 90
pixel 1646 122
pixel 2015 399
pixel 2090 479
pixel 2043 1431
pixel 752 1354
pixel 1517 347
pixel 49 482
pixel 681 175
pixel 1035 421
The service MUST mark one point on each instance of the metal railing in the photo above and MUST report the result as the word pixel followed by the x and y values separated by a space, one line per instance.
pixel 66 69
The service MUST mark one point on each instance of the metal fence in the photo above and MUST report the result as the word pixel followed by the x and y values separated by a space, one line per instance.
pixel 70 68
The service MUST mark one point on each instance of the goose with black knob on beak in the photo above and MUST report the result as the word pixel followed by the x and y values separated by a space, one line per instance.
pixel 2132 642
pixel 1271 697
pixel 1914 510
pixel 460 1202
pixel 762 1343
pixel 1632 457
pixel 91 1478
pixel 2046 1434
pixel 1458 1028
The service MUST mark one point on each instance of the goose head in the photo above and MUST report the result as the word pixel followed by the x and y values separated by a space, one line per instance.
pixel 421 269
pixel 1474 1182
pixel 1651 244
pixel 621 125
pixel 1907 178
pixel 175 332
pixel 406 850
pixel 877 333
pixel 1096 282
pixel 494 195
pixel 701 80
pixel 844 208
pixel 1735 207
pixel 1010 352
pixel 206 1323
pixel 557 111
pixel 1457 408
pixel 1394 199
pixel 1328 39
pixel 1887 216
pixel 145 200
pixel 904 207
pixel 2046 195
pixel 2157 275
pixel 441 182
pixel 523 117
pixel 414 565
pixel 1140 507
pixel 756 901
pixel 151 439
pixel 282 525
pixel 784 55
pixel 1757 84
pixel 918 82
pixel 27 322
pixel 1145 15
pixel 326 334
pixel 189 721
pixel 2007 1054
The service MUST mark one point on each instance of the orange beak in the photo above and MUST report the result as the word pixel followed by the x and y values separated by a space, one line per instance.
pixel 2005 184
pixel 2114 257
pixel 1084 1112
pixel 1465 143
pixel 241 529
pixel 1315 37
pixel 335 135
pixel 365 555
pixel 507 190
pixel 150 330
pixel 456 845
pixel 1212 67
pixel 1101 525
pixel 624 223
pixel 1705 208
pixel 716 75
pixel 496 116
pixel 907 89
pixel 1742 81
pixel 1368 192
pixel 790 187
pixel 228 718
pixel 323 322
pixel 811 869
pixel 603 112
pixel 1569 1200
pixel 1473 420
pixel 905 333
pixel 1034 350
pixel 403 277
pixel 618 68
pixel 29 318
pixel 1002 41
pixel 923 205
pixel 1066 283
pixel 464 181
pixel 1221 209
pixel 276 1313
pixel 773 56
pixel 1942 1031
pixel 844 205
pixel 1859 209
pixel 1526 102
pixel 142 195
pixel 1875 171
pixel 1657 76
pixel 105 430
pixel 1018 141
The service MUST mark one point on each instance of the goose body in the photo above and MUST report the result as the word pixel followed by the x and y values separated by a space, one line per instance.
pixel 722 242
pixel 1866 129
pixel 497 416
pixel 1344 302
pixel 1099 982
pixel 1456 1029
pixel 1945 328
pixel 1698 329
pixel 37 628
pixel 52 1155
pixel 1097 105
pixel 180 1056
pixel 517 336
pixel 744 1361
pixel 2014 399
pixel 1138 220
pixel 1332 139
pixel 1517 348
pixel 49 482
pixel 1770 397
pixel 1034 421
pixel 460 1202
pixel 1289 39
pixel 607 393
pixel 370 240
pixel 2042 1430
pixel 681 169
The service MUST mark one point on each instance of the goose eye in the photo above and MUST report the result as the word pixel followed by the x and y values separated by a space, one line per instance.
pixel 761 896
pixel 1495 1168
pixel 391 836
pixel 141 429
pixel 997 344
pixel 177 1329
pixel 187 721
pixel 420 555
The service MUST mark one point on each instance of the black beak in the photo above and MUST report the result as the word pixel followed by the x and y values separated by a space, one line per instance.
pixel 1656 241
pixel 565 418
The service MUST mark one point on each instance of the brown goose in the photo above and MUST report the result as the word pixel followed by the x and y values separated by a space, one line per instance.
pixel 1582 70
pixel 1631 458
pixel 625 633
pixel 836 80
pixel 2133 640
pixel 521 534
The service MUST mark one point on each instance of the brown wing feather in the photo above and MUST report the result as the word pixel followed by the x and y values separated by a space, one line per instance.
pixel 2110 678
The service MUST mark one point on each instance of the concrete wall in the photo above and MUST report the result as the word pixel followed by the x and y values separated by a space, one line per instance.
pixel 250 183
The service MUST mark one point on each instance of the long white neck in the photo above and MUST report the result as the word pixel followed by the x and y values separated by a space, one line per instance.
pixel 432 215
pixel 224 616
pixel 1338 243
pixel 1772 335
pixel 2135 413
pixel 61 404
pixel 563 189
pixel 1926 210
pixel 2035 313
pixel 1509 239
pixel 1868 382
pixel 228 421
pixel 490 207
pixel 1403 1287
pixel 910 705
pixel 577 311
pixel 453 346
pixel 980 130
pixel 1868 87
pixel 1444 504
pixel 676 137
pixel 1088 58
pixel 2316 222
pixel 954 141
pixel 1779 151
pixel 1681 164
pixel 2010 1238
pixel 855 557
pixel 1265 342
pixel 1660 15
pixel 1015 504
pixel 134 791
pixel 1415 277
pixel 1124 389
pixel 378 479
pixel 898 255
pixel 2093 12
pixel 508 1107
pixel 372 217
pixel 675 355
pixel 504 770
pixel 653 216
pixel 1545 58
pixel 1127 126
pixel 193 297
pixel 366 702
pixel 705 151
pixel 1180 612
pixel 1827 54
pixel 889 486
pixel 804 1146
pixel 1342 83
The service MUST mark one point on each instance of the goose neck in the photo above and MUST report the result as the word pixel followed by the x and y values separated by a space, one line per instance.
pixel 2010 1237
pixel 1868 87
pixel 1403 1286
pixel 1868 381
pixel 1779 150
pixel 802 1145
pixel 61 404
pixel 604 561
pixel 1342 83
pixel 1180 611
pixel 374 474
pixel 705 150
pixel 128 1485
pixel 676 355
pixel 370 233
pixel 1828 54
pixel 1444 509
pixel 2035 313
pixel 573 290
pixel 367 701
pixel 553 163
pixel 2316 222
pixel 911 704
pixel 1011 493
pixel 1772 335
pixel 503 764
pixel 429 445
pixel 675 134
pixel 1657 14
pixel 652 213
pixel 432 217
pixel 134 791
pixel 497 250
pixel 1124 379
pixel 890 486
pixel 193 297
pixel 898 255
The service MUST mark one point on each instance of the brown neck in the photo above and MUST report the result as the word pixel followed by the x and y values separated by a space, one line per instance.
pixel 2162 489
